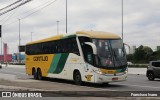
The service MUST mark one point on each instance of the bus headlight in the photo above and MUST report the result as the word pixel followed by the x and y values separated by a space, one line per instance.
pixel 99 72
pixel 126 71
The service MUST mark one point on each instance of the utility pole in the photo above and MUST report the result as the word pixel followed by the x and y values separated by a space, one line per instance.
pixel 31 36
pixel 1 37
pixel 66 16
pixel 57 27
pixel 19 58
pixel 122 20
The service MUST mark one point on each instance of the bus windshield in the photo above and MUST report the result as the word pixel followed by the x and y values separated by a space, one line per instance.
pixel 110 53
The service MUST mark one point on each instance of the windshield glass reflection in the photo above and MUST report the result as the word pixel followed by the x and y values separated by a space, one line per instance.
pixel 110 53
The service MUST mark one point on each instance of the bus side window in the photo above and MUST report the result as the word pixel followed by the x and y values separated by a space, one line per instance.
pixel 52 47
pixel 75 49
pixel 88 53
pixel 57 47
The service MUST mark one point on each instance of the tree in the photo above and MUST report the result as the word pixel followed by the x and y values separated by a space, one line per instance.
pixel 155 55
pixel 148 52
pixel 139 54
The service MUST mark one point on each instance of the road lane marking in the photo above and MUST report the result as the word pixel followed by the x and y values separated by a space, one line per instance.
pixel 139 86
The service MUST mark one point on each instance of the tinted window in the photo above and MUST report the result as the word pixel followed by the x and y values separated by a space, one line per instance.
pixel 68 45
pixel 87 50
pixel 156 64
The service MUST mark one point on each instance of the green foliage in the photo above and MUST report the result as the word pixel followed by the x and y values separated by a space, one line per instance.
pixel 130 57
pixel 143 54
pixel 155 55
pixel 139 54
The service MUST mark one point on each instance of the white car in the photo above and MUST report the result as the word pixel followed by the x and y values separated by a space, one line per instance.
pixel 129 63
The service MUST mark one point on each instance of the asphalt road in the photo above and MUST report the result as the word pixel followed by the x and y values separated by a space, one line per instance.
pixel 134 82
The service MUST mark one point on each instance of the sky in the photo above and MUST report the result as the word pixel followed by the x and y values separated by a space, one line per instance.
pixel 141 25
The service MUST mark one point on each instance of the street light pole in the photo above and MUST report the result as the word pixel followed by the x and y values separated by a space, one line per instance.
pixel 66 16
pixel 57 27
pixel 122 20
pixel 19 58
pixel 31 36
pixel 1 37
pixel 19 32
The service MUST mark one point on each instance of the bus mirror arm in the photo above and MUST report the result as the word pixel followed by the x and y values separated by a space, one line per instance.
pixel 94 48
pixel 124 50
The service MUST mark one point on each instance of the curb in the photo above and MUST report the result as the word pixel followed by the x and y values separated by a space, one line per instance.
pixel 20 88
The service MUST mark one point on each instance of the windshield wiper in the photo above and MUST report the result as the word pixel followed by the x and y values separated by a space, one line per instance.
pixel 116 59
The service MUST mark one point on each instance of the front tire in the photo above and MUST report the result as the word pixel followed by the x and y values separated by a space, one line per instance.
pixel 77 78
pixel 150 76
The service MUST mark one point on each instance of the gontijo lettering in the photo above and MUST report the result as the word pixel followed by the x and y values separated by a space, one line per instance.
pixel 40 58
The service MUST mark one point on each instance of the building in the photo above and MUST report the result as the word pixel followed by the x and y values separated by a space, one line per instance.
pixel 7 59
pixel 158 48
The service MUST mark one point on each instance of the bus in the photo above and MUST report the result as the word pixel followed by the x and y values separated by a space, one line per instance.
pixel 85 56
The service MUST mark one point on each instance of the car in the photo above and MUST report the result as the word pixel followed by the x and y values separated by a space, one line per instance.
pixel 153 70
pixel 129 63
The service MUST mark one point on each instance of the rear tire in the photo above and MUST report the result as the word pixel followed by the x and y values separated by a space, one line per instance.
pixel 77 78
pixel 34 73
pixel 150 76
pixel 39 74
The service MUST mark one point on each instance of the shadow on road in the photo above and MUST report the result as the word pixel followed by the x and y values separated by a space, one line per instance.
pixel 105 85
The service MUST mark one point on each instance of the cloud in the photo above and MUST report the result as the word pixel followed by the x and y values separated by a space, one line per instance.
pixel 141 20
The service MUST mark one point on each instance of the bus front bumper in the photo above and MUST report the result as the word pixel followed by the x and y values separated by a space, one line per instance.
pixel 105 78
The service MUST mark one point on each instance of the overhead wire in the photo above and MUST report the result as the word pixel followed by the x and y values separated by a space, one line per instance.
pixel 11 4
pixel 32 12
pixel 8 17
pixel 15 7
pixel 39 9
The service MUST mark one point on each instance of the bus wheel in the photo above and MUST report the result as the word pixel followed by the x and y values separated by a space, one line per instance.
pixel 39 74
pixel 77 78
pixel 34 73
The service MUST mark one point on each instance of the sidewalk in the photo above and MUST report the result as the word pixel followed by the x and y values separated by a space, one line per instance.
pixel 14 66
pixel 137 71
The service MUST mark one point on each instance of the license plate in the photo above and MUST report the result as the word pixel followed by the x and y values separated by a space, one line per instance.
pixel 115 79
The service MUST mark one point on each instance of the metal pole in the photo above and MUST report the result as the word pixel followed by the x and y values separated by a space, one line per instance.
pixel 66 16
pixel 19 31
pixel 1 44
pixel 1 37
pixel 122 20
pixel 31 36
pixel 19 41
pixel 57 27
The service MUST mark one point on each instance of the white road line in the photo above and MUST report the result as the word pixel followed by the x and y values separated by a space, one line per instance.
pixel 139 86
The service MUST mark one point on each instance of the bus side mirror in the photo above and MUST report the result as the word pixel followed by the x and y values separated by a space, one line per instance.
pixel 93 46
pixel 90 51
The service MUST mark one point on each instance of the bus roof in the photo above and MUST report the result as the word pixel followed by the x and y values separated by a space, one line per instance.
pixel 91 34
pixel 98 34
